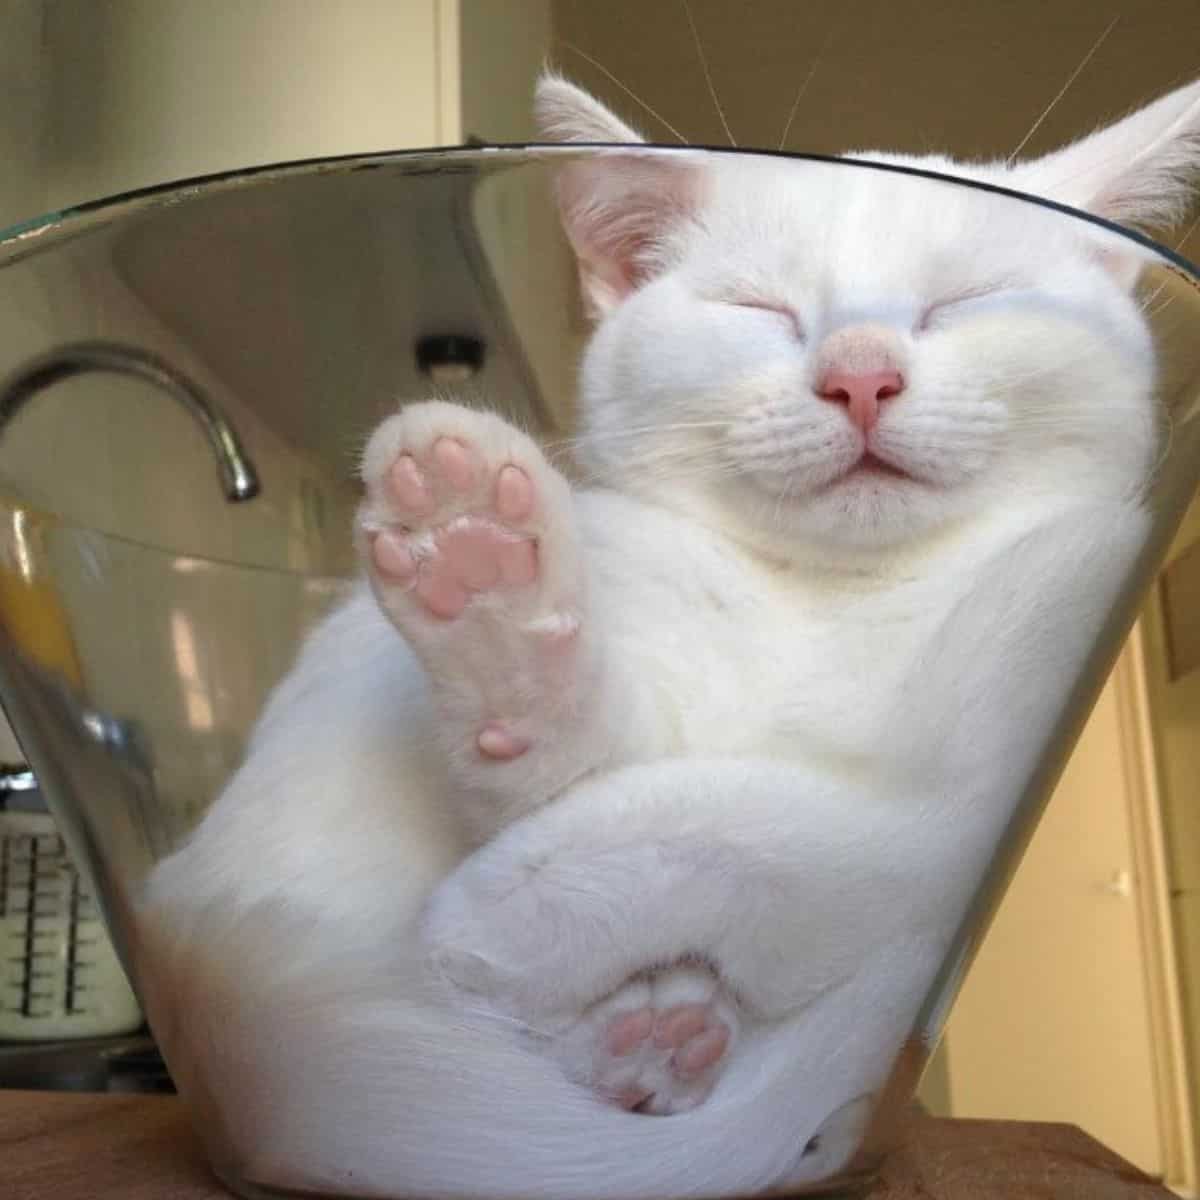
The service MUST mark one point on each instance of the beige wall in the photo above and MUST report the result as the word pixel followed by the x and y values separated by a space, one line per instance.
pixel 129 93
pixel 502 46
pixel 502 49
pixel 23 96
pixel 968 79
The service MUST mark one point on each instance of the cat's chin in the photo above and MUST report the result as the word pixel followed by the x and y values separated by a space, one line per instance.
pixel 873 506
pixel 870 465
pixel 879 479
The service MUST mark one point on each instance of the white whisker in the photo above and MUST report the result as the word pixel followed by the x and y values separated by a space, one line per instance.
pixel 1154 313
pixel 631 431
pixel 712 91
pixel 1087 58
pixel 674 463
pixel 812 70
pixel 1168 438
pixel 628 91
pixel 1147 301
pixel 1187 233
pixel 784 494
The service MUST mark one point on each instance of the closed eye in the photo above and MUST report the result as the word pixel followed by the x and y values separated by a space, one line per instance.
pixel 946 307
pixel 787 313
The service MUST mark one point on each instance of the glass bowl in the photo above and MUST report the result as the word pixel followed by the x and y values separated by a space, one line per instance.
pixel 368 1007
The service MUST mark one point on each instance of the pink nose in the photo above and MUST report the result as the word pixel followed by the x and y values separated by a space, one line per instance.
pixel 861 393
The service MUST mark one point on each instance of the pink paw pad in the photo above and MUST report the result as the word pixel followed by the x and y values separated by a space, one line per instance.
pixel 632 1098
pixel 443 594
pixel 679 1025
pixel 498 743
pixel 696 1056
pixel 483 556
pixel 456 463
pixel 457 533
pixel 514 494
pixel 408 487
pixel 659 1043
pixel 392 556
pixel 627 1033
pixel 697 1039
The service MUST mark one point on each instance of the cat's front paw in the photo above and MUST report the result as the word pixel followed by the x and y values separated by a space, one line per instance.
pixel 455 508
pixel 468 538
pixel 656 1045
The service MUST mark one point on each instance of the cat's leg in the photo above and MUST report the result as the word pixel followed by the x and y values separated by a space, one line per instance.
pixel 657 1044
pixel 469 539
pixel 800 890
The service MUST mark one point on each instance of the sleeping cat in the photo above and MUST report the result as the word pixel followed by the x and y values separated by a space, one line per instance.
pixel 672 791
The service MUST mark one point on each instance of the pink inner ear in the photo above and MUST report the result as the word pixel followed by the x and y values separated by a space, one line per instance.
pixel 606 279
pixel 617 210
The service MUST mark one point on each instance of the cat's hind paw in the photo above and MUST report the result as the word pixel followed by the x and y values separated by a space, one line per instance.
pixel 658 1044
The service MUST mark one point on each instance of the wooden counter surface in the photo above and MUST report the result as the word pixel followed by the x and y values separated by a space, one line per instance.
pixel 70 1146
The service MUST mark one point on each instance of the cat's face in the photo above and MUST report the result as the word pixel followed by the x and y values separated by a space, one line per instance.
pixel 857 357
pixel 840 355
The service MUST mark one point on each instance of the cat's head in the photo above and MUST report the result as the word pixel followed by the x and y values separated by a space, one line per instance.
pixel 831 354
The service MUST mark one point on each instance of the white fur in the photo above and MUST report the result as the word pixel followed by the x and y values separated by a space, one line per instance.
pixel 813 706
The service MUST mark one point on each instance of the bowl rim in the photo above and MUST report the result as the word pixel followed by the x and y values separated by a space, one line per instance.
pixel 50 228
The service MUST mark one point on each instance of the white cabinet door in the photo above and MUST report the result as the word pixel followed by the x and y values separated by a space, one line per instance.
pixel 1053 1023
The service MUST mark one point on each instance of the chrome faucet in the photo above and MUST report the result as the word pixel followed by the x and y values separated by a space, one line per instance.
pixel 239 479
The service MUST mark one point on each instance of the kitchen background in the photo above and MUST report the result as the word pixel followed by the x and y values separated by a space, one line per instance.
pixel 1092 968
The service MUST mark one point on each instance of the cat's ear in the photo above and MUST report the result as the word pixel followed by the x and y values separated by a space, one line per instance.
pixel 1142 171
pixel 617 208
pixel 566 113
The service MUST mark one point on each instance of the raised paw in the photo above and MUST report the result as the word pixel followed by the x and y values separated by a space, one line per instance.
pixel 468 537
pixel 656 1045
pixel 447 524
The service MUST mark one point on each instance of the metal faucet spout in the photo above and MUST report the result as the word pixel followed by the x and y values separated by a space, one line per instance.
pixel 239 479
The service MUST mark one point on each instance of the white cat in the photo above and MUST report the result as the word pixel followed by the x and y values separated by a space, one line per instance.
pixel 736 730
